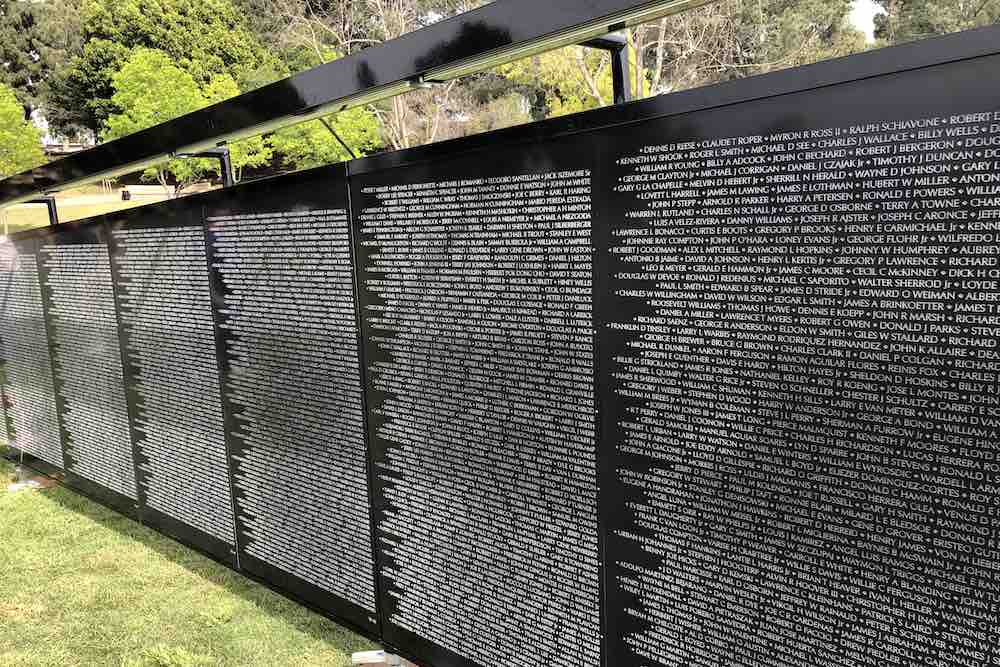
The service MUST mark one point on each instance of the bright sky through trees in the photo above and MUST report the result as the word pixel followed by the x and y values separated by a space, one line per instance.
pixel 863 17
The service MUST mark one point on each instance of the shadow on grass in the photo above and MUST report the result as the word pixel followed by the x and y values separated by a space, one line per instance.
pixel 268 601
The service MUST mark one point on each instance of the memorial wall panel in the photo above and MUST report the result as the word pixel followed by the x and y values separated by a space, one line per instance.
pixel 79 298
pixel 29 395
pixel 161 270
pixel 281 267
pixel 799 336
pixel 475 286
pixel 709 379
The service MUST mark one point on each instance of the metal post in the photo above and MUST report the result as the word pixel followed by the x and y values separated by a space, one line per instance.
pixel 617 46
pixel 50 203
pixel 226 165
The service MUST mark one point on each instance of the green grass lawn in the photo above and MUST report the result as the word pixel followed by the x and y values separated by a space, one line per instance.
pixel 82 585
pixel 21 218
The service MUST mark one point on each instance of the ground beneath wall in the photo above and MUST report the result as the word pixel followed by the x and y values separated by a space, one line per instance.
pixel 81 585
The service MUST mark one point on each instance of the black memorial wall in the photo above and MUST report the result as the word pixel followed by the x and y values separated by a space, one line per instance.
pixel 475 287
pixel 79 301
pixel 172 374
pixel 28 391
pixel 289 347
pixel 708 379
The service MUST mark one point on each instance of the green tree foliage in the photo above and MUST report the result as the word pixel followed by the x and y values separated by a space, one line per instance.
pixel 734 39
pixel 312 144
pixel 565 81
pixel 84 90
pixel 20 143
pixel 252 152
pixel 37 40
pixel 906 20
pixel 150 89
pixel 204 38
pixel 788 33
pixel 722 41
pixel 22 69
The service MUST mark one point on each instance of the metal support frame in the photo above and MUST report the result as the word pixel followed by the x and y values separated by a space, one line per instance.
pixel 220 153
pixel 50 204
pixel 621 63
pixel 476 41
pixel 337 137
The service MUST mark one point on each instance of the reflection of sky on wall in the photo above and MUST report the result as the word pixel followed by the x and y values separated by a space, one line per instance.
pixel 863 16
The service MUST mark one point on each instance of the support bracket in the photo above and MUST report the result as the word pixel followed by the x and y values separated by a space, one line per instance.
pixel 617 46
pixel 220 153
pixel 50 203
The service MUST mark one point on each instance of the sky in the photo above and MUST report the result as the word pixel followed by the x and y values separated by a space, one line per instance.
pixel 864 17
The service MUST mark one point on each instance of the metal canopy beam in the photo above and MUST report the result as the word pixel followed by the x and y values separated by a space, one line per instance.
pixel 500 32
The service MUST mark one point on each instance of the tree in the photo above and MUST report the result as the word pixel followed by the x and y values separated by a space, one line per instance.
pixel 204 38
pixel 567 81
pixel 307 32
pixel 733 39
pixel 312 144
pixel 443 112
pixel 294 26
pixel 906 20
pixel 20 143
pixel 252 152
pixel 23 68
pixel 722 41
pixel 37 40
pixel 150 89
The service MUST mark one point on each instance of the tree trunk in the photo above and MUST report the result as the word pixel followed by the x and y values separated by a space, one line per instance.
pixel 161 176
